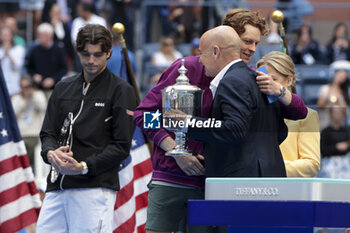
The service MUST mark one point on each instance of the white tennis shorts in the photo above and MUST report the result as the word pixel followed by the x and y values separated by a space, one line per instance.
pixel 83 210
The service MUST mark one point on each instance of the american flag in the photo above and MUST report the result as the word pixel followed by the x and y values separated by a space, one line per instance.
pixel 134 175
pixel 131 204
pixel 19 198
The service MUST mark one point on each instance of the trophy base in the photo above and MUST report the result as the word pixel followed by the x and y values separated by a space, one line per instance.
pixel 178 152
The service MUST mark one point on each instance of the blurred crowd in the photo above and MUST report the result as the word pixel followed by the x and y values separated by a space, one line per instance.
pixel 33 66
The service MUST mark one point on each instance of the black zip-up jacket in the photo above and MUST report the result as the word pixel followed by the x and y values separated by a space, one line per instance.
pixel 102 132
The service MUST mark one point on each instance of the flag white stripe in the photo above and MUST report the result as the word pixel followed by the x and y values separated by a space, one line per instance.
pixel 124 212
pixel 141 216
pixel 140 185
pixel 10 149
pixel 140 154
pixel 17 207
pixel 15 177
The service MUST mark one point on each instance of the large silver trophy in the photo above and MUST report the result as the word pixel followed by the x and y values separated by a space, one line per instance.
pixel 180 97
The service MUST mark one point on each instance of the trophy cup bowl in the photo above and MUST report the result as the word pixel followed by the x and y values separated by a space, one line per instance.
pixel 180 97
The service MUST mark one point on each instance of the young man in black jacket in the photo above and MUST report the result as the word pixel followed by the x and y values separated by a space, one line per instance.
pixel 82 184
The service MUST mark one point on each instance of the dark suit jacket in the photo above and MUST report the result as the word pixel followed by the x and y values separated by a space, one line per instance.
pixel 247 143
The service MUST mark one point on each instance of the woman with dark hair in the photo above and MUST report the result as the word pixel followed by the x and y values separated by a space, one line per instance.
pixel 338 47
pixel 335 146
pixel 307 50
pixel 334 93
pixel 61 32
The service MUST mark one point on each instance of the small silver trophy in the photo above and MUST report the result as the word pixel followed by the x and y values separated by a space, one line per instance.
pixel 180 97
pixel 64 139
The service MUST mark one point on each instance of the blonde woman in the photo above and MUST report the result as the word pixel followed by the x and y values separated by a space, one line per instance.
pixel 164 57
pixel 301 149
pixel 166 54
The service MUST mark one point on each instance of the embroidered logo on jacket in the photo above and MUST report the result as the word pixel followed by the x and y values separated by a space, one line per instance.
pixel 99 104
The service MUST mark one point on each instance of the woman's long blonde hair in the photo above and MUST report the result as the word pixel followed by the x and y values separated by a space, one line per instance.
pixel 282 63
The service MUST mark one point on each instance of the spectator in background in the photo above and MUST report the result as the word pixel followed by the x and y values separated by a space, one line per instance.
pixel 164 57
pixel 68 10
pixel 114 63
pixel 29 107
pixel 46 62
pixel 307 50
pixel 11 59
pixel 195 47
pixel 221 6
pixel 185 20
pixel 335 144
pixel 124 12
pixel 34 7
pixel 301 148
pixel 335 137
pixel 86 15
pixel 294 12
pixel 338 48
pixel 334 93
pixel 166 54
pixel 61 32
pixel 163 15
pixel 7 9
pixel 11 22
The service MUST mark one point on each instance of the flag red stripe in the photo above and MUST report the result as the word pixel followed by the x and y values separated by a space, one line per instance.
pixel 142 169
pixel 19 222
pixel 13 163
pixel 141 228
pixel 141 201
pixel 124 194
pixel 20 190
pixel 128 226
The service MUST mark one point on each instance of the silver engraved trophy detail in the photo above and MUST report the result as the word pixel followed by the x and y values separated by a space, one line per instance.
pixel 64 139
pixel 180 97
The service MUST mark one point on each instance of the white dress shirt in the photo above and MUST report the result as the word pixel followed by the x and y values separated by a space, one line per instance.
pixel 215 82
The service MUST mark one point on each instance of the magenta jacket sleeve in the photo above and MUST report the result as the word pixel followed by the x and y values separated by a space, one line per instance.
pixel 296 110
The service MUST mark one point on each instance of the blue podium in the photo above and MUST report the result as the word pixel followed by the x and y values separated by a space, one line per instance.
pixel 272 205
pixel 269 216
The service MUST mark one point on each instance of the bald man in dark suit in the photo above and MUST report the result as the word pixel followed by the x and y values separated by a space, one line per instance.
pixel 245 141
